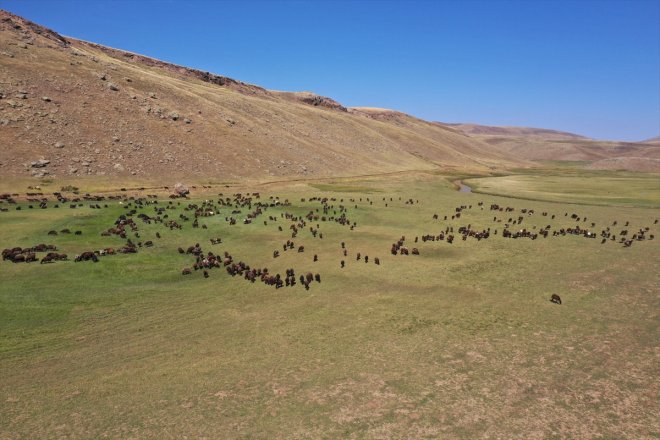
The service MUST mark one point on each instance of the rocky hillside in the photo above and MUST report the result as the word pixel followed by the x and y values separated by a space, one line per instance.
pixel 74 108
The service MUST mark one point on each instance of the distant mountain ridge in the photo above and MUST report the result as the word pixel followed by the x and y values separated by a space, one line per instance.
pixel 542 133
pixel 541 144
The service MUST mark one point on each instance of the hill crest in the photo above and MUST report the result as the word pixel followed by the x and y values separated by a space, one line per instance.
pixel 492 130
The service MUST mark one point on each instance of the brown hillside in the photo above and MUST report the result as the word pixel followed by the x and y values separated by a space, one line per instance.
pixel 87 109
pixel 541 144
pixel 643 164
pixel 529 132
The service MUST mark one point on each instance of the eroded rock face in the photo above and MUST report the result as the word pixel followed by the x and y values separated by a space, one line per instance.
pixel 322 101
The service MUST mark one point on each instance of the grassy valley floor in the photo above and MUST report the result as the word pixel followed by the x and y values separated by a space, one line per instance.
pixel 460 341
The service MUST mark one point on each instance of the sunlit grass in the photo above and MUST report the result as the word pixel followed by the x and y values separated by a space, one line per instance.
pixel 455 342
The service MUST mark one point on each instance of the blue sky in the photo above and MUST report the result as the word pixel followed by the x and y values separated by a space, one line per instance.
pixel 588 67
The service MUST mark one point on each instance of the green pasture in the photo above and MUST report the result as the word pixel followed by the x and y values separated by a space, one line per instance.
pixel 599 188
pixel 458 342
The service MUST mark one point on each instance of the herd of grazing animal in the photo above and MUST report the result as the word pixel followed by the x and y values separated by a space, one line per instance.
pixel 29 255
pixel 209 261
pixel 507 223
pixel 509 230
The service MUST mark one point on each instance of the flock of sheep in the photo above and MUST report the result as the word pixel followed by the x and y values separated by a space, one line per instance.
pixel 179 212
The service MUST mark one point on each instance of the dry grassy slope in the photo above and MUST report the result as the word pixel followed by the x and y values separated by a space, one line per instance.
pixel 226 129
pixel 541 144
pixel 641 164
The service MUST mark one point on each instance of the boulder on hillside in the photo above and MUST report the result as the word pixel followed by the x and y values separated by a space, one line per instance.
pixel 181 189
pixel 40 173
pixel 41 163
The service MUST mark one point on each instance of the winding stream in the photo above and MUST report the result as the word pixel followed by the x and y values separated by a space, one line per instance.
pixel 463 187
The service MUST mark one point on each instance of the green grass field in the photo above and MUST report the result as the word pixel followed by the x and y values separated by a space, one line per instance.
pixel 599 188
pixel 458 342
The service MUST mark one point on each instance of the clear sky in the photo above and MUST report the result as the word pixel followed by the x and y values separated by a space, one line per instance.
pixel 588 67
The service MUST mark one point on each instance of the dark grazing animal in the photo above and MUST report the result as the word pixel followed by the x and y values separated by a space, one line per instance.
pixel 555 299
